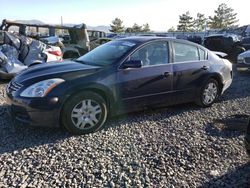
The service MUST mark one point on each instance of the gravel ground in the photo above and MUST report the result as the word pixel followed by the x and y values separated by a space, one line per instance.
pixel 179 146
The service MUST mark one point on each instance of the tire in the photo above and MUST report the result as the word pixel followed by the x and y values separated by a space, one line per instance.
pixel 208 93
pixel 84 113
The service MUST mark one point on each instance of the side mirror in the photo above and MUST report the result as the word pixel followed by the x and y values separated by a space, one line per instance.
pixel 132 64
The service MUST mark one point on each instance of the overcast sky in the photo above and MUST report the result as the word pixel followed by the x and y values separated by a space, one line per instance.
pixel 160 14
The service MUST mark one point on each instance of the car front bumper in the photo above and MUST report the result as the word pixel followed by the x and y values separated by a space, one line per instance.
pixel 242 66
pixel 40 112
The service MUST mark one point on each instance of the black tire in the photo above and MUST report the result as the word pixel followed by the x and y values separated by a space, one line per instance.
pixel 76 103
pixel 201 101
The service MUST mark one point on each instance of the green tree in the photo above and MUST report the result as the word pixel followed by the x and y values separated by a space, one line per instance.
pixel 199 22
pixel 129 30
pixel 146 28
pixel 185 22
pixel 136 28
pixel 224 17
pixel 117 26
pixel 172 29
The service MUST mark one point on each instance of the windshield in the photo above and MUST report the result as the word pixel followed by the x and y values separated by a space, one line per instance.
pixel 107 54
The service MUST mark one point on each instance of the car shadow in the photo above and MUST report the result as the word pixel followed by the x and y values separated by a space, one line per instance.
pixel 229 127
pixel 239 177
pixel 15 137
pixel 151 114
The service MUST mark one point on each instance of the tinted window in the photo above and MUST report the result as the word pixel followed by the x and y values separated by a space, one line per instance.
pixel 203 55
pixel 185 52
pixel 152 54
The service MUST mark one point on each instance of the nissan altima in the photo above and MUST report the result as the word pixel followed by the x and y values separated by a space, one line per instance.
pixel 120 76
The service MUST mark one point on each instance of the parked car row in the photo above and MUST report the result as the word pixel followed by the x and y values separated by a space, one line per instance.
pixel 74 41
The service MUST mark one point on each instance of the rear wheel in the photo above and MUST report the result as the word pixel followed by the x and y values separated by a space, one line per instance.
pixel 208 93
pixel 84 113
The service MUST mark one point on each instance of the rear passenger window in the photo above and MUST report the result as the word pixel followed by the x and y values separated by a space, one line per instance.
pixel 203 55
pixel 185 52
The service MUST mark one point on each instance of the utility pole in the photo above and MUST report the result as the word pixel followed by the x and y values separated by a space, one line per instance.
pixel 62 25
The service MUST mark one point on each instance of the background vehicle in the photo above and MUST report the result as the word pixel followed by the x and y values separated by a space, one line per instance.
pixel 120 76
pixel 73 40
pixel 227 43
pixel 18 52
pixel 246 42
pixel 243 61
pixel 97 42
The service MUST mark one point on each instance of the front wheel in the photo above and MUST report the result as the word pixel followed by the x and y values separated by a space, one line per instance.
pixel 208 93
pixel 84 113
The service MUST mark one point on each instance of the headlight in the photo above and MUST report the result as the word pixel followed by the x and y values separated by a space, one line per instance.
pixel 42 88
pixel 240 59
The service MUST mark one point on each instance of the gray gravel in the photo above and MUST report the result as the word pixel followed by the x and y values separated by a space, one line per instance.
pixel 179 146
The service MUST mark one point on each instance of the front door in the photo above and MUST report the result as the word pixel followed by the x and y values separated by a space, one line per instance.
pixel 150 84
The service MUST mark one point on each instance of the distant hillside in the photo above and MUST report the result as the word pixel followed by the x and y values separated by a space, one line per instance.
pixel 100 28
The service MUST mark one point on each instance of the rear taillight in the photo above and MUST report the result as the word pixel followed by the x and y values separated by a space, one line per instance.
pixel 56 53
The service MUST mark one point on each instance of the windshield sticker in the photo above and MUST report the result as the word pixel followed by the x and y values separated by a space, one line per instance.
pixel 130 44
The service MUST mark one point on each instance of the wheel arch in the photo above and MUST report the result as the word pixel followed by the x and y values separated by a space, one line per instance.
pixel 99 89
pixel 215 76
pixel 219 79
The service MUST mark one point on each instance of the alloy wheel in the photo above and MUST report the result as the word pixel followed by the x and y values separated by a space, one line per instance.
pixel 210 93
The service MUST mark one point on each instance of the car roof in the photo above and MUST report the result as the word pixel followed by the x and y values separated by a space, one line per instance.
pixel 144 39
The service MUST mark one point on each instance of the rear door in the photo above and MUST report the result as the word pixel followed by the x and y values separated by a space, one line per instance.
pixel 190 64
pixel 150 84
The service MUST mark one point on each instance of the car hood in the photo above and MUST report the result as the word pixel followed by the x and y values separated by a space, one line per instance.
pixel 66 70
pixel 245 54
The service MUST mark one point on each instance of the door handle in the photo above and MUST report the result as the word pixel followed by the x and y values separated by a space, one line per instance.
pixel 205 67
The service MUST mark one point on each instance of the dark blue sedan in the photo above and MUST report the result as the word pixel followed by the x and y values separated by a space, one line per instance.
pixel 120 76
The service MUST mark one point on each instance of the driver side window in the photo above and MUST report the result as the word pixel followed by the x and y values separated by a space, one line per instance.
pixel 152 54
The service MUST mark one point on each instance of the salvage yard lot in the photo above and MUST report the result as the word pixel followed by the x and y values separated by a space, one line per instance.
pixel 183 145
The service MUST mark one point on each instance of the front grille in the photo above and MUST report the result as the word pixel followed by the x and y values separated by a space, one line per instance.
pixel 247 60
pixel 13 86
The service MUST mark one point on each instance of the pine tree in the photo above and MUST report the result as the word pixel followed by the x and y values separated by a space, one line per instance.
pixel 200 22
pixel 136 28
pixel 117 26
pixel 146 28
pixel 185 22
pixel 129 30
pixel 172 29
pixel 224 17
